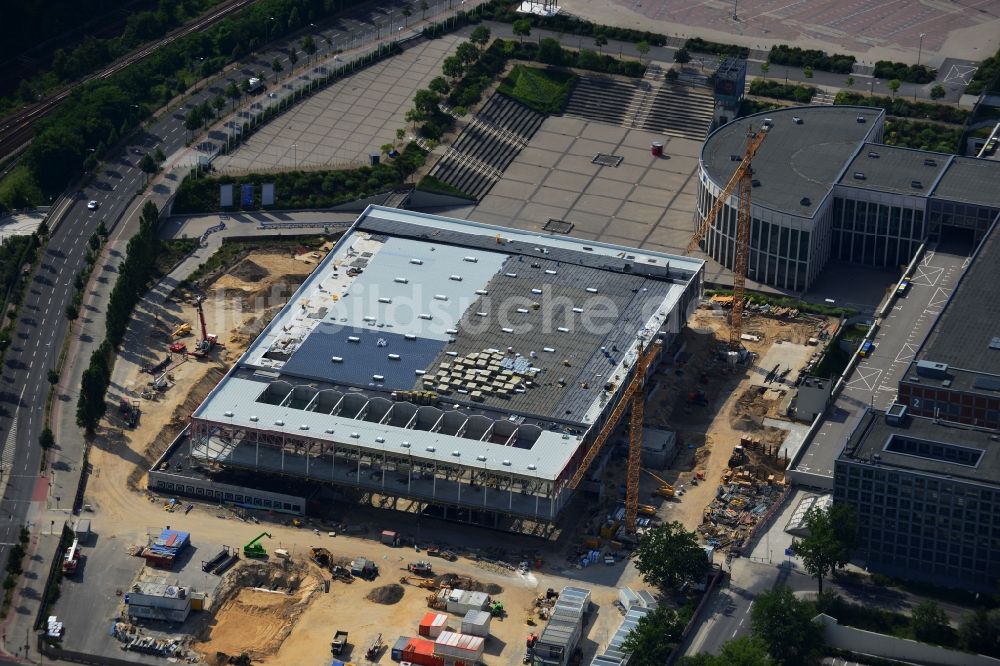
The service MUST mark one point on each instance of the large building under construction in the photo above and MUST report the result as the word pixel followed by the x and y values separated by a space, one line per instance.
pixel 450 366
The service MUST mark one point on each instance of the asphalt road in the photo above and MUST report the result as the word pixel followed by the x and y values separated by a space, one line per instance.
pixel 42 327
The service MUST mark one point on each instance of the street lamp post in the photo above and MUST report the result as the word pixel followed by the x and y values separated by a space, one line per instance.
pixel 920 47
pixel 734 10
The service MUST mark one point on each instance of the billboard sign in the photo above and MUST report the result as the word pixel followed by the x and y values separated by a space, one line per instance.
pixel 267 194
pixel 246 196
pixel 226 196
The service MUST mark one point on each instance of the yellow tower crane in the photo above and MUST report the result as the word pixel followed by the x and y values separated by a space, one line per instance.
pixel 742 178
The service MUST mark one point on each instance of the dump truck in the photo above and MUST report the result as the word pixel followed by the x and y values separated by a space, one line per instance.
pixel 339 642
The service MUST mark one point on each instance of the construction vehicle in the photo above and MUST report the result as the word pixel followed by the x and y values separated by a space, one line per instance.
pixel 182 330
pixel 209 341
pixel 497 609
pixel 374 649
pixel 665 489
pixel 71 559
pixel 254 550
pixel 634 398
pixel 282 554
pixel 130 411
pixel 420 568
pixel 339 642
pixel 742 179
pixel 178 348
pixel 320 556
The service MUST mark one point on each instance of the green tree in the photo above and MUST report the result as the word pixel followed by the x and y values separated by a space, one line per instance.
pixel 218 104
pixel 233 92
pixel 938 92
pixel 643 49
pixel 407 12
pixel 832 536
pixel 669 555
pixel 783 625
pixel 849 82
pixel 47 440
pixel 452 67
pixel 424 6
pixel 467 53
pixel 550 52
pixel 192 121
pixel 277 66
pixel 765 67
pixel 521 28
pixel 652 640
pixel 439 84
pixel 53 377
pixel 682 56
pixel 72 312
pixel 808 71
pixel 158 156
pixel 308 45
pixel 480 36
pixel 930 624
pixel 894 86
pixel 742 651
pixel 600 41
pixel 426 102
pixel 978 632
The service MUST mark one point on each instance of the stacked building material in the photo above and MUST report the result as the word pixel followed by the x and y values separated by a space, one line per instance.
pixel 164 549
pixel 736 509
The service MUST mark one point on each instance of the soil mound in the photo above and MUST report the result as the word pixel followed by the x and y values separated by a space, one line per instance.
pixel 387 594
pixel 248 271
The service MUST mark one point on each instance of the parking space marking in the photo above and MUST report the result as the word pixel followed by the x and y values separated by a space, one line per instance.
pixel 867 378
pixel 939 298
pixel 927 275
pixel 961 74
pixel 906 353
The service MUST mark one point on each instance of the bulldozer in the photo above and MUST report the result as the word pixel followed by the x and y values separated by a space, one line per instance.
pixel 181 330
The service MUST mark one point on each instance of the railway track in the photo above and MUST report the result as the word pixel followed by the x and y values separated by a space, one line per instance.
pixel 17 130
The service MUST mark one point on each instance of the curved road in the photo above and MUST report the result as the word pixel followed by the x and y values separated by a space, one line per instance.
pixel 42 326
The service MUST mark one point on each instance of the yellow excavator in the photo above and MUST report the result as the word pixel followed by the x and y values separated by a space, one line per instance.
pixel 665 489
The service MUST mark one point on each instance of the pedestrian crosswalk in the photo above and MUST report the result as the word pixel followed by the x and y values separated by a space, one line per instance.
pixel 7 456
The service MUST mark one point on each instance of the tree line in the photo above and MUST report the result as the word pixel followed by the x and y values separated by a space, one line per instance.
pixel 96 116
pixel 134 276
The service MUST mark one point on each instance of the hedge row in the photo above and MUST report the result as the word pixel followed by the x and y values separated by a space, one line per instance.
pixel 987 77
pixel 794 93
pixel 304 189
pixel 702 46
pixel 793 56
pixel 506 12
pixel 904 108
pixel 885 69
pixel 925 136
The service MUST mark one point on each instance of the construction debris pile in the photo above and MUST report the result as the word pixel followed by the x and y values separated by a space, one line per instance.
pixel 132 640
pixel 742 500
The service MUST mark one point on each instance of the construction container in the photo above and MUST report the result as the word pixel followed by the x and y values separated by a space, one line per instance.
pixel 647 600
pixel 421 651
pixel 628 597
pixel 451 646
pixel 390 538
pixel 656 149
pixel 197 601
pixel 337 662
pixel 399 647
pixel 81 528
pixel 432 625
pixel 461 602
pixel 476 623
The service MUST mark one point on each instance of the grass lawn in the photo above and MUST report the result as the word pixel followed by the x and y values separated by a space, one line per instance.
pixel 544 90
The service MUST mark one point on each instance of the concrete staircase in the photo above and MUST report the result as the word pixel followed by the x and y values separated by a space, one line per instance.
pixel 652 104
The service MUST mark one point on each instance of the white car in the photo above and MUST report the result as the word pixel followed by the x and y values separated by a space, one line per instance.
pixel 92 205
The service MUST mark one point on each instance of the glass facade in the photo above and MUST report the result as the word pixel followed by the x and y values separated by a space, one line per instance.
pixel 929 528
pixel 875 233
pixel 944 214
pixel 779 254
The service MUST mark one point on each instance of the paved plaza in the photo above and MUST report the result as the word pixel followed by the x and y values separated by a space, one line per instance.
pixel 645 201
pixel 348 121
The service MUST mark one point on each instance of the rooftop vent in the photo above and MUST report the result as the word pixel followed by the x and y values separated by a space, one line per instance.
pixel 506 463
pixel 409 336
pixel 930 162
pixel 355 435
pixel 279 422
pixel 860 119
pixel 471 260
pixel 380 440
pixel 431 449
pixel 481 458
pixel 353 338
pixel 418 262
pixel 402 280
pixel 440 297
pixel 995 343
pixel 872 154
pixel 805 201
pixel 511 275
pixel 859 175
pixel 228 415
pixel 549 271
pixel 384 299
pixel 425 316
pixel 734 158
pixel 393 357
pixel 505 329
pixel 916 184
pixel 336 359
pixel 405 445
pixel 482 292
pixel 455 278
pixel 591 290
pixel 532 467
pixel 457 454
pixel 255 418
pixel 378 378
pixel 797 120
pixel 536 291
pixel 303 427
pixel 755 183
pixel 578 310
pixel 329 431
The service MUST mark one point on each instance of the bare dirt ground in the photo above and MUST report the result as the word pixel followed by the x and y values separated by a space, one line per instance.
pixel 734 406
pixel 120 455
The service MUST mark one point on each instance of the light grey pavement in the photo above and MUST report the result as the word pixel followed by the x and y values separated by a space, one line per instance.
pixel 874 381
pixel 347 121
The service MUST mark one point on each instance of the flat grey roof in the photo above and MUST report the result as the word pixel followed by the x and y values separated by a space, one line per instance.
pixel 971 180
pixel 892 169
pixel 970 321
pixel 795 160
pixel 873 434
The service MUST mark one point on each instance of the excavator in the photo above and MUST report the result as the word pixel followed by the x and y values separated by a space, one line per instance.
pixel 254 549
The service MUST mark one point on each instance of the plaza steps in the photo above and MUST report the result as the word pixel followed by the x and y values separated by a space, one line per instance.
pixel 491 140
